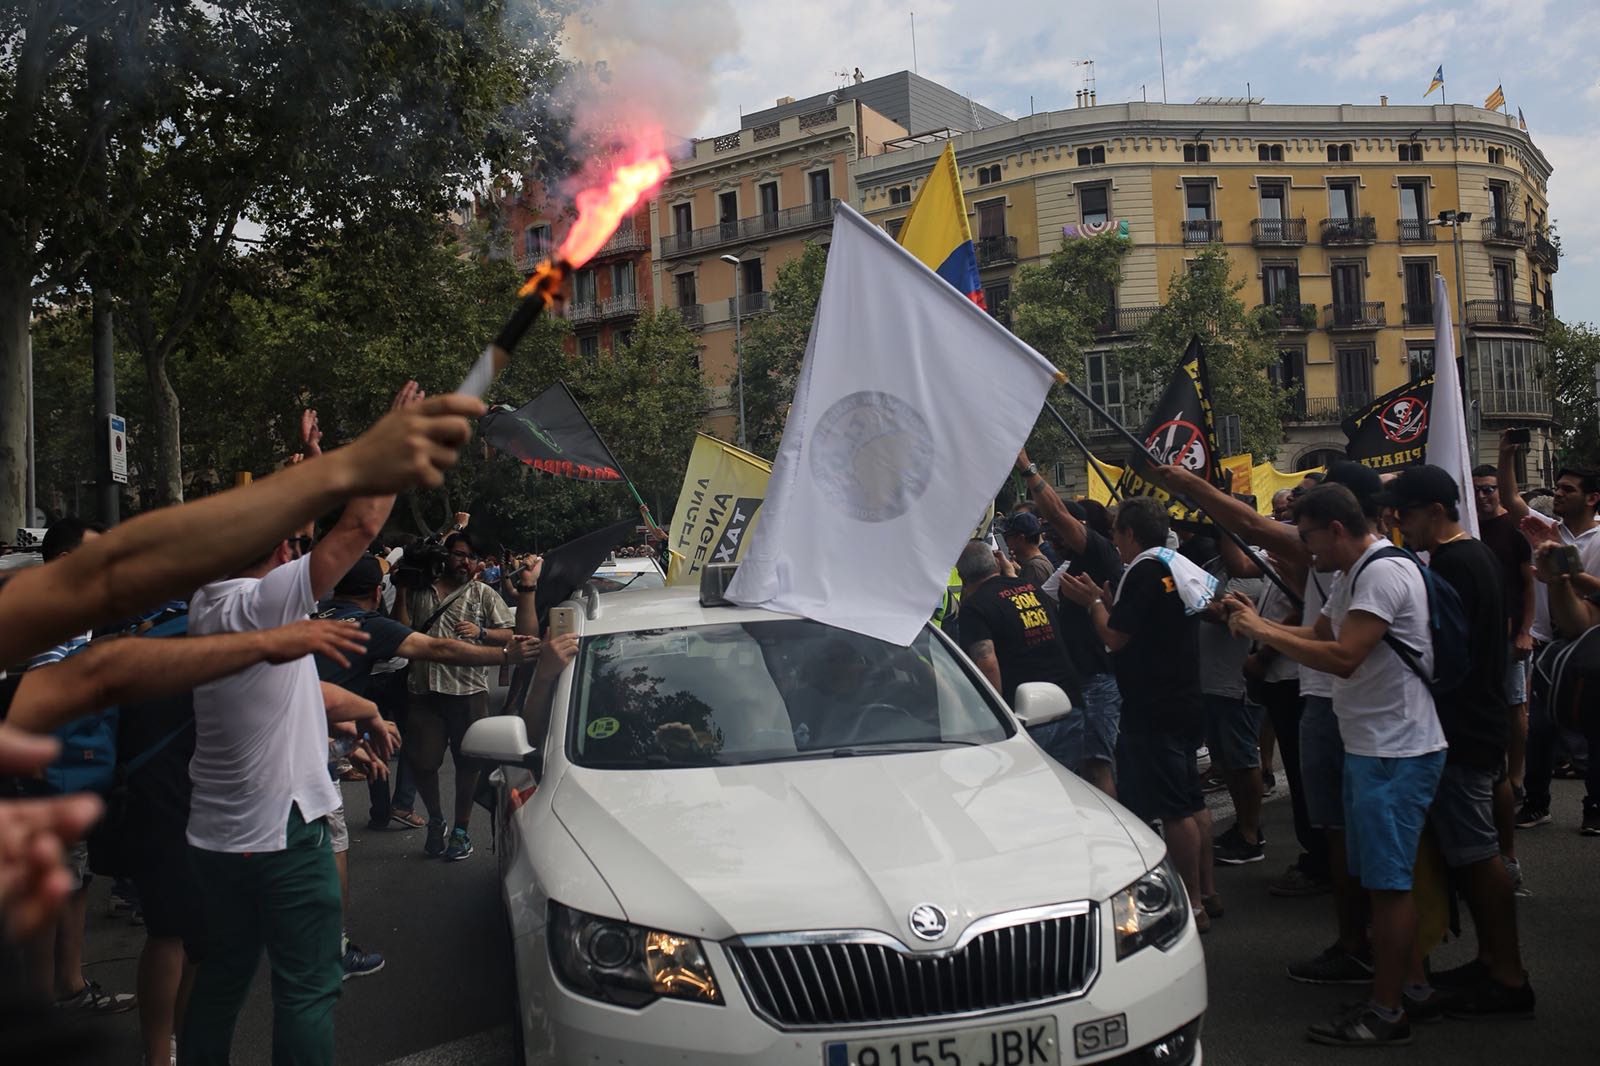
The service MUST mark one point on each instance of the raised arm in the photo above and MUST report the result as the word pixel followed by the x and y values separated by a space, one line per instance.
pixel 1050 506
pixel 1231 514
pixel 169 553
pixel 520 649
pixel 131 669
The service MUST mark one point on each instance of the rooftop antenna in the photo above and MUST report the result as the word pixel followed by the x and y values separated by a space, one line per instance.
pixel 914 68
pixel 1162 45
pixel 1087 93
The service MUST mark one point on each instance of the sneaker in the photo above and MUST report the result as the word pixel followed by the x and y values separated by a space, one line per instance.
pixel 1232 849
pixel 1361 1026
pixel 460 845
pixel 358 963
pixel 1514 869
pixel 1213 784
pixel 1491 999
pixel 434 845
pixel 1335 966
pixel 1202 921
pixel 407 819
pixel 1591 822
pixel 1429 1010
pixel 1467 975
pixel 92 999
pixel 1296 883
pixel 124 898
pixel 1530 816
pixel 1212 905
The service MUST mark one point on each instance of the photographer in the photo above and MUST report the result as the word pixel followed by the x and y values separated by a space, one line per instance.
pixel 446 699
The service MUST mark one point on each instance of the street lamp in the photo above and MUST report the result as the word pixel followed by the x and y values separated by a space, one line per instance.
pixel 1455 220
pixel 738 337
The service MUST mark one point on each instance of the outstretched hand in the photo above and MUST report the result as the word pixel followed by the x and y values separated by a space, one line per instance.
pixel 285 644
pixel 310 432
pixel 34 834
pixel 411 446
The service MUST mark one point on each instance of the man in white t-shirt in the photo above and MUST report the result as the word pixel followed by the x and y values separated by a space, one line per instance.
pixel 1394 747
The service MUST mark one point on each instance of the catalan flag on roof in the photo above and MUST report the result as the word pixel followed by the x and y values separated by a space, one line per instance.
pixel 936 231
pixel 1437 83
pixel 1497 99
pixel 1522 123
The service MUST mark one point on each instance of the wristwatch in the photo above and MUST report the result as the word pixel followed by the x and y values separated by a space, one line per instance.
pixel 1031 470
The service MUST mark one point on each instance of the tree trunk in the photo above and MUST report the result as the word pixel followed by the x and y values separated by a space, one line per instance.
pixel 15 301
pixel 165 430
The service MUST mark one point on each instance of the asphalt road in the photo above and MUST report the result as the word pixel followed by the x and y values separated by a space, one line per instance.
pixel 442 998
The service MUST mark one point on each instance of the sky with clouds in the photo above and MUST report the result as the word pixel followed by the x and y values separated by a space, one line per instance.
pixel 1288 51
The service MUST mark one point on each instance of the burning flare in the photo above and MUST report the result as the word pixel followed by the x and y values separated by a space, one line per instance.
pixel 601 209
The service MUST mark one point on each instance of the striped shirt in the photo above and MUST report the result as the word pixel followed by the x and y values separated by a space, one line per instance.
pixel 478 604
pixel 59 652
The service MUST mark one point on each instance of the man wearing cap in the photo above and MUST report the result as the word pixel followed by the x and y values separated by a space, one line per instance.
pixel 1427 501
pixel 1023 533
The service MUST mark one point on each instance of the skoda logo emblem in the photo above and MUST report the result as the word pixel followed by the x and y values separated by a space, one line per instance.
pixel 928 921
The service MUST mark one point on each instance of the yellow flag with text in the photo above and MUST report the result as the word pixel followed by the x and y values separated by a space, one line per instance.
pixel 722 493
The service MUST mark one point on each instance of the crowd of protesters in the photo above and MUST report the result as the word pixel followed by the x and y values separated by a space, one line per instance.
pixel 1412 677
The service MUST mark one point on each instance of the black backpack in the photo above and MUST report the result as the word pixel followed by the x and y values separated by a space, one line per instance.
pixel 1447 623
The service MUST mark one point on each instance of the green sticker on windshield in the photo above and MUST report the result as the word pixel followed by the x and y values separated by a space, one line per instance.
pixel 601 728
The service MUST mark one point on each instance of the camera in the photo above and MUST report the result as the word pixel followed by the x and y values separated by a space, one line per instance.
pixel 421 565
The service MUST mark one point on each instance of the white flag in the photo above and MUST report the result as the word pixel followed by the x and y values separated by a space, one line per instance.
pixel 1447 422
pixel 908 414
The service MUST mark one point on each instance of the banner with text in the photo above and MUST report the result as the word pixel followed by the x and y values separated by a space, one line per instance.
pixel 1393 431
pixel 552 434
pixel 722 492
pixel 1180 430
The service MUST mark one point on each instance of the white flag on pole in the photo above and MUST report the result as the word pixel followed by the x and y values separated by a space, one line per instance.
pixel 1447 422
pixel 908 414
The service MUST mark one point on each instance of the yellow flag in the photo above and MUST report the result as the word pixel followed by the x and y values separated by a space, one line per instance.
pixel 1497 99
pixel 722 493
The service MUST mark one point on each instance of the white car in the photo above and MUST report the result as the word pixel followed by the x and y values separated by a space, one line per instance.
pixel 630 573
pixel 753 838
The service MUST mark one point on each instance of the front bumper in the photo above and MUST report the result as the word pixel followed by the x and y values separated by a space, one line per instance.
pixel 1160 992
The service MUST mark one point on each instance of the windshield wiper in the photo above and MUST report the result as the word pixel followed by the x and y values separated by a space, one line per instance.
pixel 897 746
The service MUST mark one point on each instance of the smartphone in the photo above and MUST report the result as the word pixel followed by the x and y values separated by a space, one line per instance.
pixel 1563 560
pixel 1517 436
pixel 563 620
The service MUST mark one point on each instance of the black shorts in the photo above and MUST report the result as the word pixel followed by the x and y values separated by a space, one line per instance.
pixel 1157 776
pixel 169 896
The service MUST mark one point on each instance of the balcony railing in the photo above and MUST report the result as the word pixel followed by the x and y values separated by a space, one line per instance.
pixel 1121 320
pixel 528 260
pixel 1526 402
pixel 1288 316
pixel 1417 314
pixel 584 311
pixel 1366 315
pixel 1360 230
pixel 1278 231
pixel 751 303
pixel 805 216
pixel 996 251
pixel 1202 230
pixel 1542 248
pixel 1511 231
pixel 1505 313
pixel 628 240
pixel 693 315
pixel 1328 408
pixel 1415 230
pixel 621 305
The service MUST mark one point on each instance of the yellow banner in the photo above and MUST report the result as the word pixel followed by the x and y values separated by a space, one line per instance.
pixel 1261 479
pixel 717 508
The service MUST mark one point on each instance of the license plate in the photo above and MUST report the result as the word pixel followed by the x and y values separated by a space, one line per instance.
pixel 1027 1042
pixel 1102 1034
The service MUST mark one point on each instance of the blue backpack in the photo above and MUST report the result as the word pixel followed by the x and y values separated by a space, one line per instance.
pixel 1447 623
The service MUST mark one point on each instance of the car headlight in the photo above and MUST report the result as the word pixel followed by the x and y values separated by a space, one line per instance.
pixel 1152 910
pixel 627 964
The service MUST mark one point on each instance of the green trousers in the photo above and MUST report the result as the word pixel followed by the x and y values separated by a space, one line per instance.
pixel 288 903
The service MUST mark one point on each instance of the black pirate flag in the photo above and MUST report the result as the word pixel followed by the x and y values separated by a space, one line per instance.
pixel 1393 431
pixel 1180 430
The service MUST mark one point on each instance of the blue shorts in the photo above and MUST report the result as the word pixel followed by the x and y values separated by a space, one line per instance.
pixel 1517 679
pixel 1322 764
pixel 1386 805
pixel 1233 732
pixel 1089 733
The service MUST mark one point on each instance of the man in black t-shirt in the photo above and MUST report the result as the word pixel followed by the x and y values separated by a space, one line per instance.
pixel 1155 650
pixel 1474 717
pixel 1085 741
pixel 1009 628
pixel 1497 528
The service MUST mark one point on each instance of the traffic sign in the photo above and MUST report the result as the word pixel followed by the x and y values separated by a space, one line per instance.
pixel 117 449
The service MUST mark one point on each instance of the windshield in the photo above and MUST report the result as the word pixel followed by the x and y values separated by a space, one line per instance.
pixel 723 695
pixel 617 580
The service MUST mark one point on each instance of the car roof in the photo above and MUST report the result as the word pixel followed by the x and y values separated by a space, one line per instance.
pixel 666 608
pixel 629 564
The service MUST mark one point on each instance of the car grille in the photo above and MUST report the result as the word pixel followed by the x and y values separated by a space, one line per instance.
pixel 839 979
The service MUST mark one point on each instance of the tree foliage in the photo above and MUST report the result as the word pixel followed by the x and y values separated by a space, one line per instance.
pixel 1204 301
pixel 1574 353
pixel 775 344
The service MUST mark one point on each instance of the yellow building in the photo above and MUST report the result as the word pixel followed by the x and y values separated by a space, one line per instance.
pixel 1330 214
pixel 744 204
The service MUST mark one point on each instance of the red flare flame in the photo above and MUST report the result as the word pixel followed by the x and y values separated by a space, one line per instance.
pixel 602 208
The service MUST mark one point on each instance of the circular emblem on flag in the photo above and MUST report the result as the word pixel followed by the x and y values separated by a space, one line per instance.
pixel 872 455
pixel 1180 442
pixel 1404 420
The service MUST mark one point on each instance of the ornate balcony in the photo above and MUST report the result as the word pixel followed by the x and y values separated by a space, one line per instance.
pixel 1278 232
pixel 806 216
pixel 1512 232
pixel 751 303
pixel 1327 409
pixel 628 240
pixel 1121 321
pixel 1360 230
pixel 1202 230
pixel 1414 231
pixel 1542 248
pixel 693 315
pixel 1346 318
pixel 1508 313
pixel 1288 316
pixel 996 251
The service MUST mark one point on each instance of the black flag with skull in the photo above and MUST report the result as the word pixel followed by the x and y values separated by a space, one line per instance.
pixel 1181 429
pixel 1392 431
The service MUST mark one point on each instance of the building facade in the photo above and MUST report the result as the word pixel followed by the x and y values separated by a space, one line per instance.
pixel 1330 216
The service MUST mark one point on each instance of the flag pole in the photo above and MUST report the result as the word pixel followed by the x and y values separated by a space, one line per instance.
pixel 1072 434
pixel 626 480
pixel 1140 449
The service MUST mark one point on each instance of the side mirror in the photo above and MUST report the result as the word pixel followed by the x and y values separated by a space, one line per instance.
pixel 1037 703
pixel 501 738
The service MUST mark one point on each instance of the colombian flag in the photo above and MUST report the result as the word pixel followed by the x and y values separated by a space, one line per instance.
pixel 936 230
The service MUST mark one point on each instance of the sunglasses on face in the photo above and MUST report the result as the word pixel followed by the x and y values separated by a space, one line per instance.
pixel 1485 490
